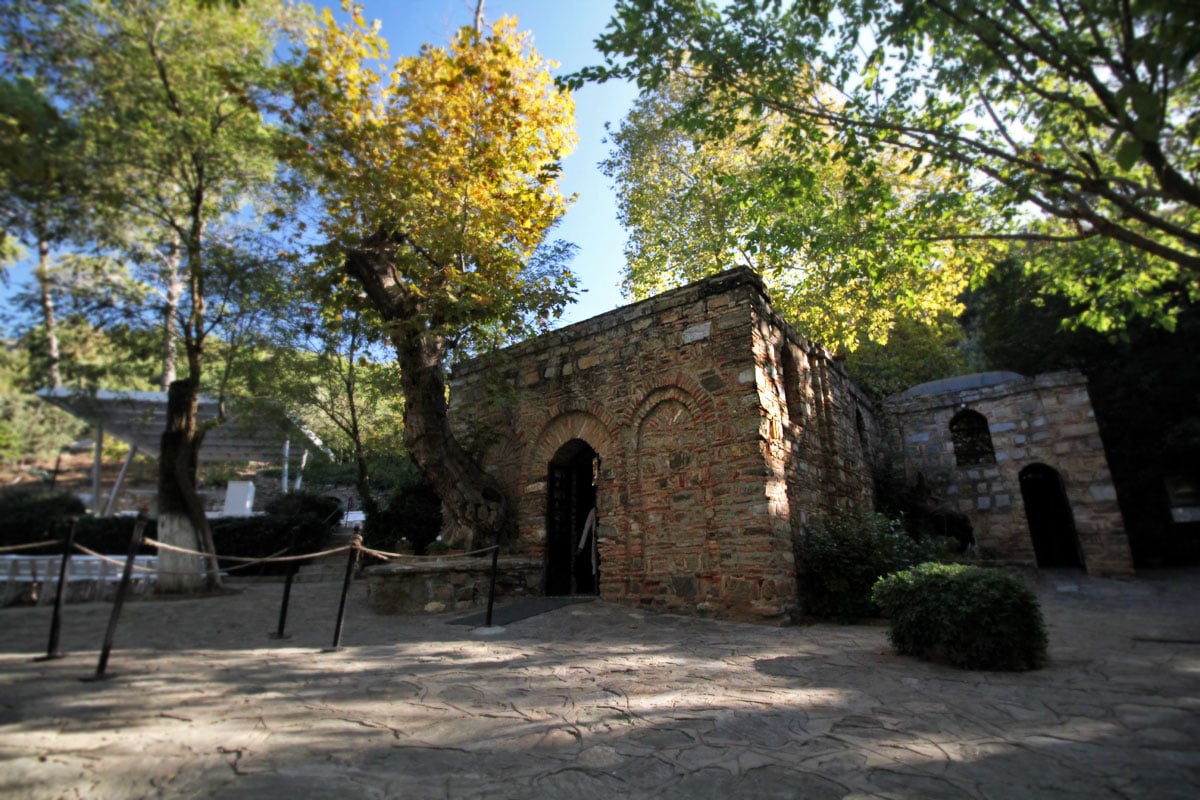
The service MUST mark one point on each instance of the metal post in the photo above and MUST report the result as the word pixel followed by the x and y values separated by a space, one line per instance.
pixel 57 466
pixel 492 587
pixel 116 490
pixel 97 464
pixel 52 651
pixel 300 471
pixel 135 542
pixel 283 608
pixel 287 453
pixel 341 615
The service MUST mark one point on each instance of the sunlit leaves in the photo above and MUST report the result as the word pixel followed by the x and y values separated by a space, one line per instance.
pixel 445 165
pixel 1076 120
pixel 846 246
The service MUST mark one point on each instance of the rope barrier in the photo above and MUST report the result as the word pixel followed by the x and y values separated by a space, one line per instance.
pixel 14 548
pixel 109 559
pixel 184 551
pixel 383 554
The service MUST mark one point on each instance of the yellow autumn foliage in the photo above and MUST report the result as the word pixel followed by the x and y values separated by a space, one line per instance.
pixel 449 158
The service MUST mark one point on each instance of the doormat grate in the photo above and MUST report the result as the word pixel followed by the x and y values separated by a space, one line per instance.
pixel 519 610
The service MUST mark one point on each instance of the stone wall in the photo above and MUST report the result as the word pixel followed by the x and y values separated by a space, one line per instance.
pixel 1046 420
pixel 455 584
pixel 718 432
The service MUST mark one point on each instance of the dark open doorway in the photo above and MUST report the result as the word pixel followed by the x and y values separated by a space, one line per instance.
pixel 572 559
pixel 1051 524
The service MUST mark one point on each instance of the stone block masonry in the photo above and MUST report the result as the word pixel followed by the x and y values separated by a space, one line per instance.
pixel 668 454
pixel 716 429
pixel 1046 449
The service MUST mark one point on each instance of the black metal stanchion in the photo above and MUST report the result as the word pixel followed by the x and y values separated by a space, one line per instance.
pixel 492 585
pixel 135 542
pixel 341 615
pixel 293 568
pixel 52 651
pixel 283 608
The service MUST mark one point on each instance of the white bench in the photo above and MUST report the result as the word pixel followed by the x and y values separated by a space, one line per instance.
pixel 23 574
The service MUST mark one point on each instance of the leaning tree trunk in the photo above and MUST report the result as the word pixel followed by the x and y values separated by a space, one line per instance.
pixel 181 519
pixel 477 509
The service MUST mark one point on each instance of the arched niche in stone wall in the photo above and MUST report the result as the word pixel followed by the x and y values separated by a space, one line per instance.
pixel 671 496
pixel 666 441
pixel 972 439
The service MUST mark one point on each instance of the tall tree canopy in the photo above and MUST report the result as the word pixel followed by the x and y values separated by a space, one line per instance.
pixel 845 249
pixel 42 191
pixel 1076 119
pixel 161 91
pixel 439 179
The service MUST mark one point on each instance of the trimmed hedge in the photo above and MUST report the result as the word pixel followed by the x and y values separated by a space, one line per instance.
pixel 840 559
pixel 298 523
pixel 38 514
pixel 970 617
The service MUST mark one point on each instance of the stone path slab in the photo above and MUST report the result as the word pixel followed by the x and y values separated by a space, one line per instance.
pixel 596 701
pixel 524 608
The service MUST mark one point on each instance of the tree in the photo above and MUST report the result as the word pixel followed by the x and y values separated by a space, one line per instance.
pixel 100 331
pixel 164 91
pixel 41 190
pixel 845 251
pixel 1075 119
pixel 439 180
pixel 325 366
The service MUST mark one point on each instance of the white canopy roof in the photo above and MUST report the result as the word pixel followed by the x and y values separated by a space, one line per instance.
pixel 254 430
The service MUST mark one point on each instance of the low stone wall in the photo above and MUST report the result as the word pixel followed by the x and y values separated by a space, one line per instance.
pixel 453 584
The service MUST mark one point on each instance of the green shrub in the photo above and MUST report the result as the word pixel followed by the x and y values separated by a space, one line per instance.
pixel 413 511
pixel 329 509
pixel 839 560
pixel 110 535
pixel 295 523
pixel 38 514
pixel 970 617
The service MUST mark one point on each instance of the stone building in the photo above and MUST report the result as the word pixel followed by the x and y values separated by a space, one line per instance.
pixel 668 453
pixel 698 425
pixel 1022 459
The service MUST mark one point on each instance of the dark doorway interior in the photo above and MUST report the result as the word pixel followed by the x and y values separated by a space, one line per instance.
pixel 572 560
pixel 1051 524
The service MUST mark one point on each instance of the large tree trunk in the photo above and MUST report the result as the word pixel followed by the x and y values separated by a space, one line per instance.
pixel 181 519
pixel 47 296
pixel 477 510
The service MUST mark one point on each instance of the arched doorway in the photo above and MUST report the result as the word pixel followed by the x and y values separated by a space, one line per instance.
pixel 1051 524
pixel 572 558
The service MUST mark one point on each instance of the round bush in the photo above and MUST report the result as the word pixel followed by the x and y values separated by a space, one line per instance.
pixel 970 617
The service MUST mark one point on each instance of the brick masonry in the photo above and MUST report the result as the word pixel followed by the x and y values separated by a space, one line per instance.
pixel 710 460
pixel 721 431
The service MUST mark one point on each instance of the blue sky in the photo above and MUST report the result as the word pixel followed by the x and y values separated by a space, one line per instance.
pixel 563 31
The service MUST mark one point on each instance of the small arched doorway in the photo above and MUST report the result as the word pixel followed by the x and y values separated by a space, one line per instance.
pixel 572 558
pixel 1051 523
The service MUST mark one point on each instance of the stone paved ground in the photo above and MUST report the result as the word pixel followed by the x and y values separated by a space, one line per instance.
pixel 596 700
